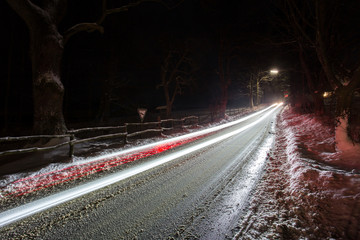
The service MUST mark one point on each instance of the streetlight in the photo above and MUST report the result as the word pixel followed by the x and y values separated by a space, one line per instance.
pixel 274 71
pixel 266 77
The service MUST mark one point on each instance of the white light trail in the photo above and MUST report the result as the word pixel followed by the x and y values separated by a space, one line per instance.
pixel 15 214
pixel 194 134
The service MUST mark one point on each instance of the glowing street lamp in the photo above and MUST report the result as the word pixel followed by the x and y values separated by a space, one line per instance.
pixel 266 77
pixel 274 71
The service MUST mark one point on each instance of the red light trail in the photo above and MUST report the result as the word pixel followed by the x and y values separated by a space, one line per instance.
pixel 45 180
pixel 40 181
pixel 31 184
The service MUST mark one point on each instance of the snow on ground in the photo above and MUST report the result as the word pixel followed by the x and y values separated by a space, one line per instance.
pixel 345 146
pixel 311 190
pixel 89 151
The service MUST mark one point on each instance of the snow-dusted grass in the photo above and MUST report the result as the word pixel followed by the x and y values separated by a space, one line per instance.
pixel 314 137
pixel 311 189
pixel 349 152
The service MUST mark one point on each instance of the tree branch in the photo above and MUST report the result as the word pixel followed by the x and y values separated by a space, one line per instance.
pixel 294 19
pixel 28 11
pixel 56 9
pixel 299 13
pixel 90 27
pixel 322 47
pixel 176 68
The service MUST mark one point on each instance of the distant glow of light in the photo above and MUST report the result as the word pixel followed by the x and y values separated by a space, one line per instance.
pixel 37 206
pixel 327 94
pixel 274 71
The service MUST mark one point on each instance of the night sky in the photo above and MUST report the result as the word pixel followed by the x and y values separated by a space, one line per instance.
pixel 131 52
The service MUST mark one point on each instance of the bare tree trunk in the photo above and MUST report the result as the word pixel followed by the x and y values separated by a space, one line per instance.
pixel 318 102
pixel 251 102
pixel 168 100
pixel 343 91
pixel 48 91
pixel 223 101
pixel 323 34
pixel 168 109
pixel 46 45
pixel 224 79
pixel 7 87
pixel 46 51
pixel 173 79
pixel 104 108
pixel 257 92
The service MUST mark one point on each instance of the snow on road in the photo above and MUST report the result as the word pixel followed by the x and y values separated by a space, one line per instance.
pixel 44 180
pixel 177 198
pixel 16 185
pixel 310 191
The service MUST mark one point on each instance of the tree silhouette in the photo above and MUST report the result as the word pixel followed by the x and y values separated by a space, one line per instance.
pixel 176 74
pixel 329 29
pixel 46 51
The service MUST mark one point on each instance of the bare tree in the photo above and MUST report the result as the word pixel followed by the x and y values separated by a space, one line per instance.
pixel 176 74
pixel 114 79
pixel 299 32
pixel 229 55
pixel 318 24
pixel 46 51
pixel 344 81
pixel 259 77
pixel 245 78
pixel 252 79
pixel 315 24
pixel 245 82
pixel 224 61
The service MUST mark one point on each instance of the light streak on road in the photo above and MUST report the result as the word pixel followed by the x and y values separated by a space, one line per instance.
pixel 105 162
pixel 194 134
pixel 34 183
pixel 37 206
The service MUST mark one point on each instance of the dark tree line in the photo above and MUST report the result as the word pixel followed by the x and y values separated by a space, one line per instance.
pixel 178 67
pixel 325 35
pixel 46 51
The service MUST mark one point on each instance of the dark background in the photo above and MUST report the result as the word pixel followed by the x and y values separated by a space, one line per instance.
pixel 132 49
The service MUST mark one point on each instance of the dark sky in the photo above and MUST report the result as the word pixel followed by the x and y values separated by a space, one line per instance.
pixel 132 50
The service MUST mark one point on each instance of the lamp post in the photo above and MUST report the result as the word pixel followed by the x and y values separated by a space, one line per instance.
pixel 272 72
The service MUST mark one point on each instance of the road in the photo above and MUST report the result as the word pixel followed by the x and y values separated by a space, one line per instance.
pixel 197 194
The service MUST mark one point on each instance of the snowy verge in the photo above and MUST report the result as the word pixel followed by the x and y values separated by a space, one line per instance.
pixel 317 138
pixel 349 151
pixel 308 191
